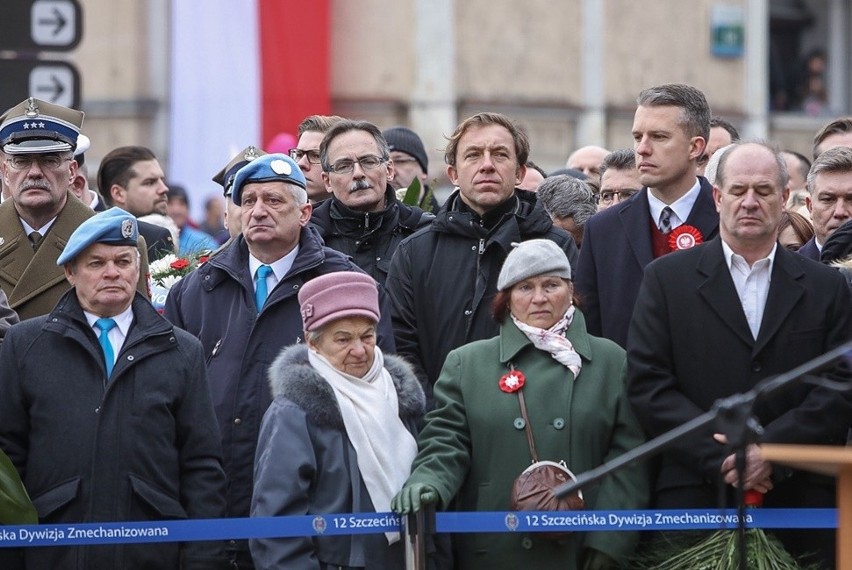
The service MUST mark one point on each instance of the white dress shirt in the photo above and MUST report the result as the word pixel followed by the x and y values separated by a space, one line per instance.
pixel 680 208
pixel 118 334
pixel 752 284
pixel 280 268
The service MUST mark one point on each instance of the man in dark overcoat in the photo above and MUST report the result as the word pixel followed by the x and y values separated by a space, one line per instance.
pixel 105 410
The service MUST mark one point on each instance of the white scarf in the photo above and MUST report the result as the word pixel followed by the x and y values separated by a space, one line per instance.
pixel 553 340
pixel 370 410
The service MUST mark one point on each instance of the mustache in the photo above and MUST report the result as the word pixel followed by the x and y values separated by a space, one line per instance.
pixel 40 184
pixel 360 184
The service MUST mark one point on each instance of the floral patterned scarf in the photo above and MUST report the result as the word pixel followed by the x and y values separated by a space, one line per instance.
pixel 553 340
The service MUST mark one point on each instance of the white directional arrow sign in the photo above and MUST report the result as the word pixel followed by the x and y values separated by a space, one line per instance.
pixel 53 23
pixel 53 83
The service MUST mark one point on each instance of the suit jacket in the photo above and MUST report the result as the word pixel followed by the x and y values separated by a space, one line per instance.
pixel 616 249
pixel 690 344
pixel 31 279
pixel 810 249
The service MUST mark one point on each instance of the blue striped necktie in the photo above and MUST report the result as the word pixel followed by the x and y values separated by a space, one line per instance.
pixel 261 291
pixel 106 325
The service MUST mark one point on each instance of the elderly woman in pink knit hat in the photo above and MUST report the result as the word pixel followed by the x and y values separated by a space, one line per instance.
pixel 338 435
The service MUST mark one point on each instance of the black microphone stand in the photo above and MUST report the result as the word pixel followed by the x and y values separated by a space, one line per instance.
pixel 732 417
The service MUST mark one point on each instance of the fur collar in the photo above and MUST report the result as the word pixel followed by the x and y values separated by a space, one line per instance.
pixel 292 377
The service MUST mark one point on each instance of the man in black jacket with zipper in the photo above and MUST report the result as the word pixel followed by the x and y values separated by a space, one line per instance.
pixel 363 218
pixel 443 278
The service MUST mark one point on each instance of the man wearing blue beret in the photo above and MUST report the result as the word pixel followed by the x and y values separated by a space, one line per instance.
pixel 105 410
pixel 243 305
pixel 38 140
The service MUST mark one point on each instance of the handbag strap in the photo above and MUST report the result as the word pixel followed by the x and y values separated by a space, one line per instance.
pixel 527 426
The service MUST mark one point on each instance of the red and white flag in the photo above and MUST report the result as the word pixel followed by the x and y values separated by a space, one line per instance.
pixel 242 71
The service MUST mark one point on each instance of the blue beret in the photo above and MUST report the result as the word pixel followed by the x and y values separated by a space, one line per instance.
pixel 114 226
pixel 267 168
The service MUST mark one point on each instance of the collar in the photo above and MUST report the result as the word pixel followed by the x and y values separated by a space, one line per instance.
pixel 729 255
pixel 280 267
pixel 513 340
pixel 339 210
pixel 493 216
pixel 123 320
pixel 681 207
pixel 42 230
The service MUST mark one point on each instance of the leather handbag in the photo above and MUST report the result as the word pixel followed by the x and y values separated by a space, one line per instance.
pixel 533 488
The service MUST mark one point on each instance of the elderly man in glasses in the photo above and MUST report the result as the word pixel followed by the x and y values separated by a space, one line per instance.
pixel 363 218
pixel 38 167
pixel 307 153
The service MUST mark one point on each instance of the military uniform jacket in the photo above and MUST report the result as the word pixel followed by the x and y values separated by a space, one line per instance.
pixel 143 445
pixel 473 444
pixel 31 279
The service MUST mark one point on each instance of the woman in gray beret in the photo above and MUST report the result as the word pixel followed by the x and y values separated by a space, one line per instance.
pixel 474 444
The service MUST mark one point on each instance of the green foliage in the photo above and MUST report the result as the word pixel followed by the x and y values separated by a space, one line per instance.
pixel 15 504
pixel 412 194
pixel 718 551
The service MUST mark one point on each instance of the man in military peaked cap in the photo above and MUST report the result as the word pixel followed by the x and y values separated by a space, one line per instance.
pixel 118 414
pixel 225 179
pixel 38 140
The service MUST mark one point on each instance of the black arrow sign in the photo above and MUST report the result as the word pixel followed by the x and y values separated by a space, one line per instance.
pixel 60 21
pixel 22 31
pixel 16 75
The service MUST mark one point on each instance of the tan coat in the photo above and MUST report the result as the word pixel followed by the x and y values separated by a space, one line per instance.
pixel 31 279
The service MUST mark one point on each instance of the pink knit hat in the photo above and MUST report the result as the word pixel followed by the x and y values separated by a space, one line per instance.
pixel 337 295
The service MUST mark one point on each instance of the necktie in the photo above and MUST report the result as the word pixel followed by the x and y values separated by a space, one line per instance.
pixel 36 238
pixel 106 325
pixel 666 220
pixel 261 290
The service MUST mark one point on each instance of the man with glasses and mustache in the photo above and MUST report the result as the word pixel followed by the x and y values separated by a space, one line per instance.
pixel 38 141
pixel 363 217
pixel 307 153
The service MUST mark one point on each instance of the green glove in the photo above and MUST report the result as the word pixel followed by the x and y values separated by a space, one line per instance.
pixel 413 497
pixel 597 560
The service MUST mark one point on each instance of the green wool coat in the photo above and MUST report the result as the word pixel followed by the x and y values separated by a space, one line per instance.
pixel 473 445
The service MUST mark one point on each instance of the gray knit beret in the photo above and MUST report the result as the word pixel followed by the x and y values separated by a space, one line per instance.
pixel 532 258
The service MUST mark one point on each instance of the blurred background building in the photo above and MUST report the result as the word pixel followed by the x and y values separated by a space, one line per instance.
pixel 198 81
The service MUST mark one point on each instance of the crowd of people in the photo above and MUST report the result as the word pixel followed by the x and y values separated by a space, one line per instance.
pixel 344 350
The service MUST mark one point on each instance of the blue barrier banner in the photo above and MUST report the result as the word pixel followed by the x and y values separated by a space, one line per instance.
pixel 72 534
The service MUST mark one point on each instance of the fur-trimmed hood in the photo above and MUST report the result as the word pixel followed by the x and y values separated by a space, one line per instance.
pixel 291 376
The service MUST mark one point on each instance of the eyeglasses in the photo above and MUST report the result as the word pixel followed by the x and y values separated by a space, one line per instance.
pixel 398 161
pixel 297 154
pixel 345 165
pixel 45 161
pixel 608 195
